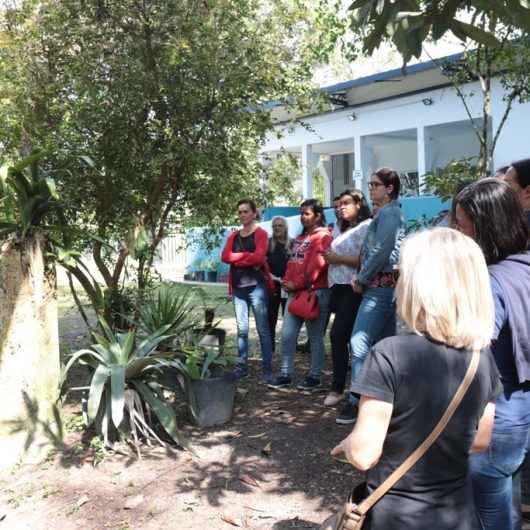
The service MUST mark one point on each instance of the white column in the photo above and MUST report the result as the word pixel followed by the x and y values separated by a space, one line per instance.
pixel 325 168
pixel 422 154
pixel 307 171
pixel 358 162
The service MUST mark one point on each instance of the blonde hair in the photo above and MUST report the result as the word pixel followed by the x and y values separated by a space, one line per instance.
pixel 444 289
pixel 286 232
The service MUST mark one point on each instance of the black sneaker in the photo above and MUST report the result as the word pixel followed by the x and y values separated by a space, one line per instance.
pixel 309 383
pixel 347 414
pixel 281 381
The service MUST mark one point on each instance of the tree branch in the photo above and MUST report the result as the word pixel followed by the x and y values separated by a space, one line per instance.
pixel 76 299
pixel 100 264
pixel 507 110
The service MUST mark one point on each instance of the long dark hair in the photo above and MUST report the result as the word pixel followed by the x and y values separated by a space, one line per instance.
pixel 317 208
pixel 498 219
pixel 364 211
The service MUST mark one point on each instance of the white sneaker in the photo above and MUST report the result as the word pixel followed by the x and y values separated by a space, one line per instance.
pixel 333 399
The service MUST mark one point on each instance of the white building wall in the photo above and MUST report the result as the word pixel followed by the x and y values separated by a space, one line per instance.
pixel 409 112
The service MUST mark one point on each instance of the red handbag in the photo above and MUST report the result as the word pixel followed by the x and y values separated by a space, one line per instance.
pixel 304 304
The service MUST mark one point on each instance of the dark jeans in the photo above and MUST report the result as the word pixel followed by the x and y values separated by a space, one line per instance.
pixel 345 304
pixel 275 301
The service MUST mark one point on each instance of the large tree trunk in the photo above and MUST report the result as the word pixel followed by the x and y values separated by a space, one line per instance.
pixel 29 352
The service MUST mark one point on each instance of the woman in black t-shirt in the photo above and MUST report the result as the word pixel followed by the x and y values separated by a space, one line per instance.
pixel 408 381
pixel 277 258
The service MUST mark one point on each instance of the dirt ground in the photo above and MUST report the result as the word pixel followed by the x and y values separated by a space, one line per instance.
pixel 268 468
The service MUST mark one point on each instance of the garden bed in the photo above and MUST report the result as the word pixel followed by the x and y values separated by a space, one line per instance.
pixel 269 468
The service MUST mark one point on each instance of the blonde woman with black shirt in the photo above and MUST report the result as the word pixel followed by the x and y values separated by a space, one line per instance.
pixel 277 258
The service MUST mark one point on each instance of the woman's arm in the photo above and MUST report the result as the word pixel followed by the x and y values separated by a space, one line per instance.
pixel 316 263
pixel 388 225
pixel 336 259
pixel 485 427
pixel 248 259
pixel 363 447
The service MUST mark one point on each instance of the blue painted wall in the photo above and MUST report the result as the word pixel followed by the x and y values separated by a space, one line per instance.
pixel 414 208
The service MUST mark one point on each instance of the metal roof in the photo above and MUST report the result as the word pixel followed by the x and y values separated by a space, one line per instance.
pixel 389 74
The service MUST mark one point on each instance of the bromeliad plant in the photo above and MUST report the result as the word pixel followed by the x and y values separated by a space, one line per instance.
pixel 125 384
pixel 27 197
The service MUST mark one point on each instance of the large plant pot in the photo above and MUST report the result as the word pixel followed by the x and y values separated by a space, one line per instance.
pixel 214 400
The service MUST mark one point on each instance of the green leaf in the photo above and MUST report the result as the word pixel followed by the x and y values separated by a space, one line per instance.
pixel 88 161
pixel 76 356
pixel 150 343
pixel 108 332
pixel 97 385
pixel 127 346
pixel 475 33
pixel 117 392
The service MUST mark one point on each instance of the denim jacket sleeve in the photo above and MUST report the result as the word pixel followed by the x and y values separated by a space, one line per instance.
pixel 382 244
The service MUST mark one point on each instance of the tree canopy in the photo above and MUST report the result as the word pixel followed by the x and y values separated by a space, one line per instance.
pixel 152 112
pixel 409 23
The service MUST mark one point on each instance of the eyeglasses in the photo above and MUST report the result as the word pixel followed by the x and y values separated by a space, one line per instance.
pixel 346 203
pixel 375 184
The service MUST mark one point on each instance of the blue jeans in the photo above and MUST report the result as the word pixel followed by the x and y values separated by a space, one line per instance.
pixel 257 298
pixel 376 319
pixel 315 332
pixel 492 471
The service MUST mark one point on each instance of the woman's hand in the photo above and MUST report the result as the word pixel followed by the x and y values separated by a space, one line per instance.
pixel 331 258
pixel 357 287
pixel 289 286
pixel 344 447
pixel 363 447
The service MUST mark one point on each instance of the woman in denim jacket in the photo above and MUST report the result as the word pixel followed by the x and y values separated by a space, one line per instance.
pixel 376 318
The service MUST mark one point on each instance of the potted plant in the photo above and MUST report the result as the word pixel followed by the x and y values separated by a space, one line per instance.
pixel 210 332
pixel 210 268
pixel 205 376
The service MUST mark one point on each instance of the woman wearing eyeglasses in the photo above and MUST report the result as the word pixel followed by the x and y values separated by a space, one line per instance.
pixel 376 280
pixel 246 252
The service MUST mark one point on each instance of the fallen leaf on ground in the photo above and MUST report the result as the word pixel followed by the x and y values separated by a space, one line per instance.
pixel 260 435
pixel 133 502
pixel 247 479
pixel 82 500
pixel 230 519
pixel 267 450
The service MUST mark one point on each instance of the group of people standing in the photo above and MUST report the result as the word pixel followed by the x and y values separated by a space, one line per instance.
pixel 458 289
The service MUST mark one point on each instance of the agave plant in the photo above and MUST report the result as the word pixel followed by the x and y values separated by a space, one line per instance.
pixel 28 196
pixel 124 382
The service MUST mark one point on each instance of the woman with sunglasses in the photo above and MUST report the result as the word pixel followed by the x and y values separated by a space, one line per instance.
pixel 376 280
pixel 246 253
pixel 343 259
